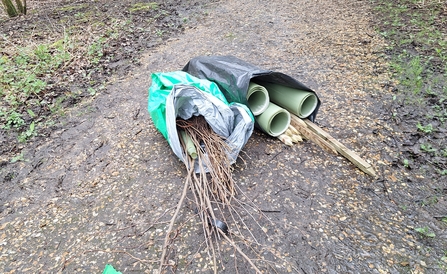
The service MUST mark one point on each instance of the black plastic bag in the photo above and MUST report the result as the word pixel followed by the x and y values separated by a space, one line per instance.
pixel 233 77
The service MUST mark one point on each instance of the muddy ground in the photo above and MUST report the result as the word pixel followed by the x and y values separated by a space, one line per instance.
pixel 101 184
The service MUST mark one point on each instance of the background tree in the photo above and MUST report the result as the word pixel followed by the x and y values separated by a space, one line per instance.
pixel 12 10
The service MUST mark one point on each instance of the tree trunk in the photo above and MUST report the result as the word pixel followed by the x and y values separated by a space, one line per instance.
pixel 10 9
pixel 20 7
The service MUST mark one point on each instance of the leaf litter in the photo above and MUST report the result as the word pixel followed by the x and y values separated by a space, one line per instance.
pixel 102 186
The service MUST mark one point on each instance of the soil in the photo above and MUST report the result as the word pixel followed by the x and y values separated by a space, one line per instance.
pixel 101 184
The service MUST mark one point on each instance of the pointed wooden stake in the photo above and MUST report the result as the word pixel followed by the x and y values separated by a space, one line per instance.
pixel 310 135
pixel 317 135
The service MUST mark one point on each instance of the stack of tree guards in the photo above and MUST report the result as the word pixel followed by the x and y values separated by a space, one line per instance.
pixel 273 104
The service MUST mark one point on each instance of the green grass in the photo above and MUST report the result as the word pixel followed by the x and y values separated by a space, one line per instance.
pixel 425 232
pixel 29 74
pixel 27 134
pixel 23 79
pixel 17 158
pixel 96 50
pixel 63 56
pixel 143 7
pixel 417 38
pixel 72 7
pixel 426 129
pixel 428 148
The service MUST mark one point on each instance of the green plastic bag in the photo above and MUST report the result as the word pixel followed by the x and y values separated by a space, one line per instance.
pixel 162 85
pixel 110 270
pixel 178 95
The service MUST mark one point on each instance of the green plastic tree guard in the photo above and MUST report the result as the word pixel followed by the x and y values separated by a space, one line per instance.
pixel 257 98
pixel 299 102
pixel 190 148
pixel 274 120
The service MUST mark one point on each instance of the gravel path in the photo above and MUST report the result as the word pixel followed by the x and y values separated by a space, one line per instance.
pixel 102 188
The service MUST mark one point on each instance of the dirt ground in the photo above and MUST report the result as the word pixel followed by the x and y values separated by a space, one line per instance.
pixel 101 185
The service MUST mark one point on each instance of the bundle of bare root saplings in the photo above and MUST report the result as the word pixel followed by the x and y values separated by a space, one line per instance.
pixel 211 154
pixel 212 184
pixel 207 134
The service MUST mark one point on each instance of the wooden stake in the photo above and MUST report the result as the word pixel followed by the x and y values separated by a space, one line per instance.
pixel 310 135
pixel 328 143
pixel 349 154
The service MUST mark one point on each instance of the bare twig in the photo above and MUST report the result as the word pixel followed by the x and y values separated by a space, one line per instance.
pixel 145 262
pixel 240 251
pixel 214 192
pixel 168 233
